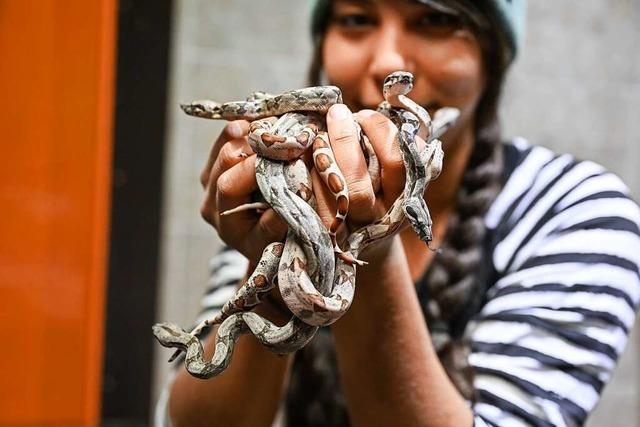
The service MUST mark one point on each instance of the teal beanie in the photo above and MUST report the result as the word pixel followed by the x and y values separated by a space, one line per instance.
pixel 507 15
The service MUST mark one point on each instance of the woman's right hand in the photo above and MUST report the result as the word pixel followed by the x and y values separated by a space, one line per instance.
pixel 229 180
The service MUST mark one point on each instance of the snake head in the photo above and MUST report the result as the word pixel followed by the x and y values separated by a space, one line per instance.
pixel 419 219
pixel 398 83
pixel 206 109
pixel 172 335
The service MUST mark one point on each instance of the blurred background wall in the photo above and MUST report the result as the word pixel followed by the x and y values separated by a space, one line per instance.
pixel 575 88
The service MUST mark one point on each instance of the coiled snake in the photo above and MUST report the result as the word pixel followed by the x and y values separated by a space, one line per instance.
pixel 317 286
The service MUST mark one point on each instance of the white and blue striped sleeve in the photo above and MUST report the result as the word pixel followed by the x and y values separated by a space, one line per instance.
pixel 554 324
pixel 226 269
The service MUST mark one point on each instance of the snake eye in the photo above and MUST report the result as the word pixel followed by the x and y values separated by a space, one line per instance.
pixel 411 212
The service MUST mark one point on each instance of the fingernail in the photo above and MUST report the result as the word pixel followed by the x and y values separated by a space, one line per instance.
pixel 234 130
pixel 365 113
pixel 339 111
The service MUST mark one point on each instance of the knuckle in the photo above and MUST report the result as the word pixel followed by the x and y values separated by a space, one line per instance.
pixel 346 135
pixel 224 186
pixel 262 227
pixel 277 228
pixel 271 226
pixel 207 212
pixel 394 166
pixel 357 175
pixel 361 195
pixel 228 157
pixel 380 122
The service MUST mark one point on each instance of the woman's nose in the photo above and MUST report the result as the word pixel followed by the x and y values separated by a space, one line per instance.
pixel 389 54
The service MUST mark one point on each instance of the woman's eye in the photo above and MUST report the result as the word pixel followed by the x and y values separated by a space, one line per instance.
pixel 353 20
pixel 439 22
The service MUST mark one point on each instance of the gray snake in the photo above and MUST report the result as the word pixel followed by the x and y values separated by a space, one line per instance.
pixel 306 264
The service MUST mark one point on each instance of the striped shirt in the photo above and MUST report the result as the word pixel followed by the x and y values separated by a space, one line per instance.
pixel 564 257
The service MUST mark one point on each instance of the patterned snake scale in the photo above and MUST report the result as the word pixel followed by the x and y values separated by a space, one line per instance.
pixel 268 135
pixel 306 265
pixel 274 180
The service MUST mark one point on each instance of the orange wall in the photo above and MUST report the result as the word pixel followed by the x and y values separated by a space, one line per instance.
pixel 56 89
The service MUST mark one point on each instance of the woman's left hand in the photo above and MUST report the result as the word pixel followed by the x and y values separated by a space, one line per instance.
pixel 365 206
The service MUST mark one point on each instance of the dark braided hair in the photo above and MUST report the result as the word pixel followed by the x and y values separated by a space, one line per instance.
pixel 450 292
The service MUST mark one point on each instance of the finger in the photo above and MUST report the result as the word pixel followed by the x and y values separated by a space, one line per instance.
pixel 382 135
pixel 244 173
pixel 226 160
pixel 237 129
pixel 268 229
pixel 234 188
pixel 325 201
pixel 343 136
pixel 231 153
pixel 326 206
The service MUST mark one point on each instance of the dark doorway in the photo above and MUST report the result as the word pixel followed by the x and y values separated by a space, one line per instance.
pixel 144 32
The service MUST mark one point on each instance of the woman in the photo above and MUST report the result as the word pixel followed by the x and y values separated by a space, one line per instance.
pixel 525 315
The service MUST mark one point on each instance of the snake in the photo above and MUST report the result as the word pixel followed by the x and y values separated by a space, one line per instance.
pixel 279 138
pixel 413 120
pixel 421 168
pixel 260 105
pixel 278 339
pixel 308 293
pixel 294 335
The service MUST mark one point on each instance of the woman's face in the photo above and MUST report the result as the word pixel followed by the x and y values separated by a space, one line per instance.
pixel 368 39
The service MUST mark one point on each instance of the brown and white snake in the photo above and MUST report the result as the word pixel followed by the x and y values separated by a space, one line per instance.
pixel 316 285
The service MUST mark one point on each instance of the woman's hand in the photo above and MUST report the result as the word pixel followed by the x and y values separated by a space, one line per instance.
pixel 364 206
pixel 229 180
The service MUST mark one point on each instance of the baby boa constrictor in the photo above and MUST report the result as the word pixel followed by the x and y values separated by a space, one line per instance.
pixel 421 167
pixel 313 239
pixel 284 136
pixel 323 309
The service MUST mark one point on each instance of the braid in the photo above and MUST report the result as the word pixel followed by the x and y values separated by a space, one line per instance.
pixel 315 397
pixel 453 288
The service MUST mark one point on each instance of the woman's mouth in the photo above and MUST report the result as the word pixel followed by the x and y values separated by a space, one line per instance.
pixel 431 107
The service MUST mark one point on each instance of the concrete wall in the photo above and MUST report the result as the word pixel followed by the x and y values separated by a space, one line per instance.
pixel 575 88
